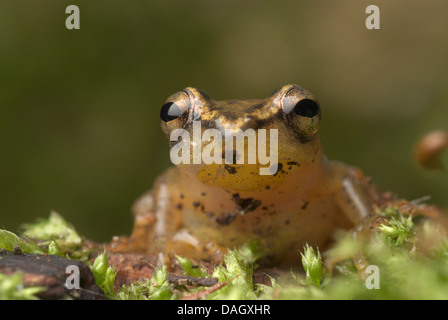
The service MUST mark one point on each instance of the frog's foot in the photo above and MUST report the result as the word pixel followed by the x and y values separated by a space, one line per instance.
pixel 186 244
pixel 358 259
pixel 359 235
pixel 137 241
pixel 183 244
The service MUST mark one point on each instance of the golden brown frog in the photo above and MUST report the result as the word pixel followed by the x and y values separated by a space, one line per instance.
pixel 198 210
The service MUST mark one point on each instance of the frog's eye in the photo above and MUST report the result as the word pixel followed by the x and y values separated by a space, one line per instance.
pixel 175 112
pixel 170 111
pixel 306 108
pixel 302 110
pixel 176 106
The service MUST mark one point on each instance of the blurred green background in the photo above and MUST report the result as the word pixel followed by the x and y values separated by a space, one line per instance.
pixel 79 109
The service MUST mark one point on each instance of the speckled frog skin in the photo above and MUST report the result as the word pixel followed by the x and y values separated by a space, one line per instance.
pixel 199 210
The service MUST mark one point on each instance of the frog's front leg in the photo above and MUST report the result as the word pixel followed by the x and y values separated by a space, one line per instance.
pixel 157 220
pixel 355 202
pixel 158 230
pixel 158 225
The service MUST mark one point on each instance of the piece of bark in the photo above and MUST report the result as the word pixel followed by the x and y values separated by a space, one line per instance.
pixel 49 271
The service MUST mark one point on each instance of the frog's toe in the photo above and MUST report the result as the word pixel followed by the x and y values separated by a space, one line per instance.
pixel 188 245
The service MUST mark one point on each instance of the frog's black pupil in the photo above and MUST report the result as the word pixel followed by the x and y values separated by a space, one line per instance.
pixel 306 108
pixel 170 111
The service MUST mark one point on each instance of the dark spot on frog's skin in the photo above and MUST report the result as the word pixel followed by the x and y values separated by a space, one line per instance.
pixel 245 205
pixel 280 166
pixel 287 222
pixel 279 169
pixel 196 204
pixel 230 169
pixel 203 193
pixel 226 218
pixel 291 164
pixel 179 206
pixel 268 187
pixel 264 208
pixel 182 196
pixel 234 156
pixel 305 205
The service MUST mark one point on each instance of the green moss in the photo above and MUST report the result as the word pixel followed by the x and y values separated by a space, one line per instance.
pixel 156 288
pixel 312 264
pixel 11 288
pixel 57 233
pixel 104 274
pixel 410 259
pixel 191 268
pixel 10 241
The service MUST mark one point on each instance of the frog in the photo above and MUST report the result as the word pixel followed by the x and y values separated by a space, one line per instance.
pixel 201 210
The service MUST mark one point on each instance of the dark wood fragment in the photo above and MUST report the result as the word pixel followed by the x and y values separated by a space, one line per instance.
pixel 49 271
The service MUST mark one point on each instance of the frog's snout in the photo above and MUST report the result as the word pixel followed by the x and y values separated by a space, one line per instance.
pixel 226 124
